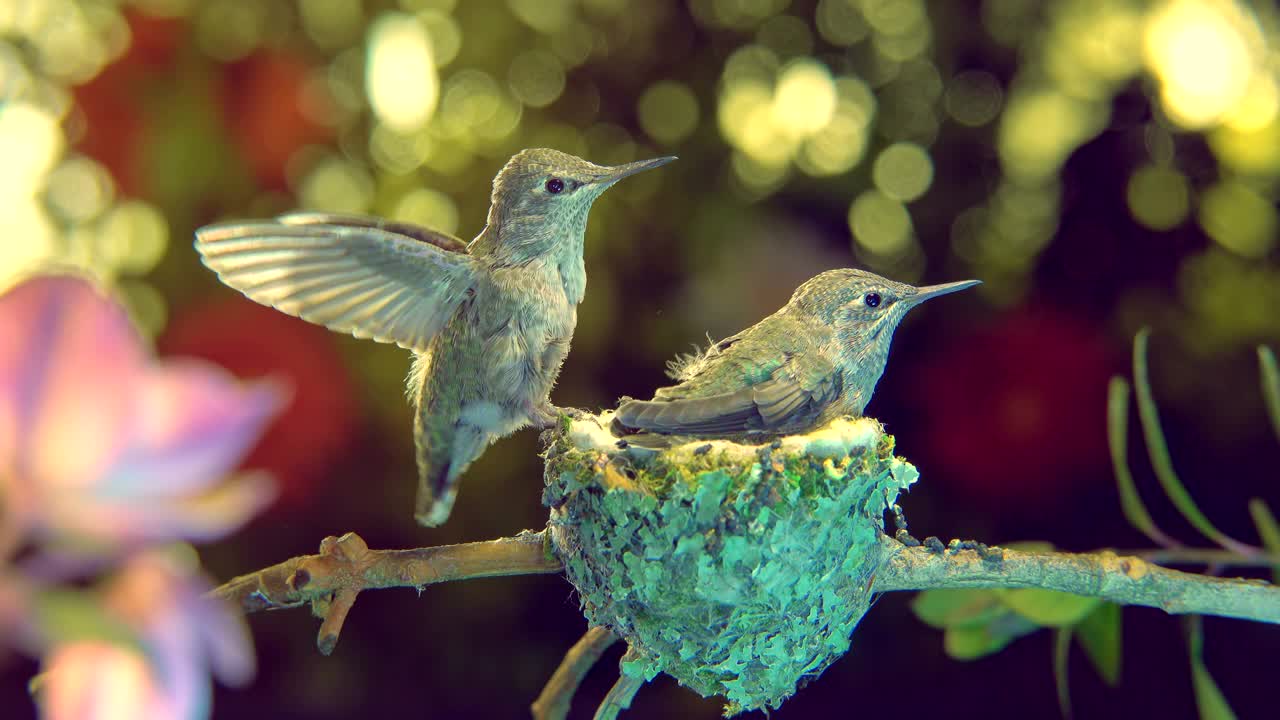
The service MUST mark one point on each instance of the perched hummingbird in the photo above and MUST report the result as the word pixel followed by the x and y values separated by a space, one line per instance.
pixel 489 322
pixel 817 358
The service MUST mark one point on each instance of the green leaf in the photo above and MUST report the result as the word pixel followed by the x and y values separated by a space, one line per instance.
pixel 1048 608
pixel 971 643
pixel 1270 385
pixel 1210 701
pixel 1099 635
pixel 1268 531
pixel 1061 652
pixel 945 609
pixel 1158 448
pixel 66 616
pixel 1118 439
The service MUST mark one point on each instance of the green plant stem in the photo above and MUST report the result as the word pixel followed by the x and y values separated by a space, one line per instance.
pixel 1117 440
pixel 1162 462
pixel 1197 556
pixel 1270 385
pixel 1123 580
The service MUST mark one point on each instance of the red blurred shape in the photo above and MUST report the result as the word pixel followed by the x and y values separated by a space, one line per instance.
pixel 251 341
pixel 154 41
pixel 263 111
pixel 1017 413
pixel 130 106
pixel 113 103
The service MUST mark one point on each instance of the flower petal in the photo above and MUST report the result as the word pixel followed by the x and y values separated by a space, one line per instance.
pixel 224 633
pixel 209 515
pixel 194 424
pixel 203 515
pixel 97 681
pixel 68 361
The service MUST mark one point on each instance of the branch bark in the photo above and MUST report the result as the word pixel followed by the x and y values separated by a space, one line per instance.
pixel 1119 579
pixel 553 703
pixel 622 692
pixel 331 580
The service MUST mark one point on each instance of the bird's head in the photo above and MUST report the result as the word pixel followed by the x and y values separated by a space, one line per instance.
pixel 541 198
pixel 864 307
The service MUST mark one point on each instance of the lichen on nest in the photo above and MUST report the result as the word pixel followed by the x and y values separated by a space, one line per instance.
pixel 738 569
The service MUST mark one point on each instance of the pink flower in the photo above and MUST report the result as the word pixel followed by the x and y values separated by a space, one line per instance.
pixel 181 635
pixel 99 441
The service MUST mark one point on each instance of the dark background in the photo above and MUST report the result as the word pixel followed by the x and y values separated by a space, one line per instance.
pixel 1068 174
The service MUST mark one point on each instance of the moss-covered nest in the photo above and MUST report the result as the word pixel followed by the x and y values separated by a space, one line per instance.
pixel 737 569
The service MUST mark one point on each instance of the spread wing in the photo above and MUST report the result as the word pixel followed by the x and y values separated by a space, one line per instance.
pixel 392 282
pixel 442 240
pixel 788 401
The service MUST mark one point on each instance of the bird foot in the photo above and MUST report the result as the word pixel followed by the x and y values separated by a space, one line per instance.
pixel 548 415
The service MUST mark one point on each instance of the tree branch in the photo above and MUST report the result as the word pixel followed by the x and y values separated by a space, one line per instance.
pixel 553 702
pixel 331 580
pixel 622 692
pixel 1123 580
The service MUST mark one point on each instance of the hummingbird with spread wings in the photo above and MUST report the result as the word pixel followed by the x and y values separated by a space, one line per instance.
pixel 489 322
pixel 816 359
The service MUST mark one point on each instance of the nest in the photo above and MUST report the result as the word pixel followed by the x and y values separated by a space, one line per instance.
pixel 738 569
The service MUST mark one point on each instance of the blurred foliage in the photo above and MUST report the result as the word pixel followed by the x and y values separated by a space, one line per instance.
pixel 980 622
pixel 405 109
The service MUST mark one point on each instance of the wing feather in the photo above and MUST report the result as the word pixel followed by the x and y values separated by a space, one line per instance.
pixel 392 282
pixel 440 239
pixel 780 404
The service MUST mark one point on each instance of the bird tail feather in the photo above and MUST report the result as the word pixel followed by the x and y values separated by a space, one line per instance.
pixel 440 465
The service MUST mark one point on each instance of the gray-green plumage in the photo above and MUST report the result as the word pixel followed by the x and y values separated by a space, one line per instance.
pixel 489 322
pixel 817 358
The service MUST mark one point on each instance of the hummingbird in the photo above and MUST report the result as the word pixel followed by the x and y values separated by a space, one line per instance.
pixel 489 322
pixel 817 358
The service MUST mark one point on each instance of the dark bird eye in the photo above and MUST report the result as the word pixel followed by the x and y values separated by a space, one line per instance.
pixel 872 299
pixel 555 185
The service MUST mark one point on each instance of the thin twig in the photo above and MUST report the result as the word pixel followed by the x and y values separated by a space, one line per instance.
pixel 553 703
pixel 621 694
pixel 331 580
pixel 1123 580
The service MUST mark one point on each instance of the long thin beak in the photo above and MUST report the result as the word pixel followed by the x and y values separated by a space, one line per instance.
pixel 617 172
pixel 933 291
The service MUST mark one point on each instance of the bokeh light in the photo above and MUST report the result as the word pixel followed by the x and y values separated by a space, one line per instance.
pixel 536 78
pixel 427 207
pixel 1201 52
pixel 840 22
pixel 1158 197
pixel 973 98
pixel 30 143
pixel 337 185
pixel 401 74
pixel 804 99
pixel 1238 218
pixel 880 223
pixel 1040 130
pixel 668 111
pixel 132 238
pixel 903 171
